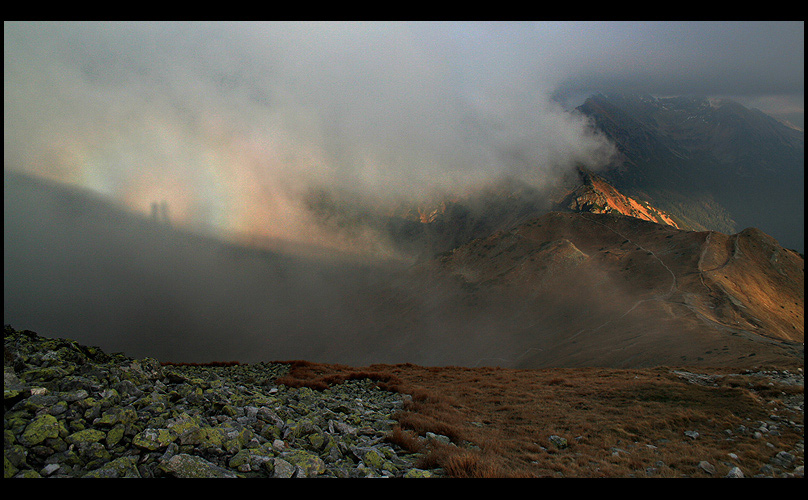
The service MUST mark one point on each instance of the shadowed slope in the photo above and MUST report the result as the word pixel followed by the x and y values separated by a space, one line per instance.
pixel 713 163
pixel 563 289
pixel 590 289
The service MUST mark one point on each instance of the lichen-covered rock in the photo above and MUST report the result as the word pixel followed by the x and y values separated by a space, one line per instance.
pixel 189 466
pixel 240 459
pixel 205 438
pixel 85 437
pixel 74 411
pixel 123 467
pixel 117 415
pixel 94 455
pixel 374 459
pixel 115 435
pixel 41 428
pixel 309 464
pixel 418 473
pixel 280 468
pixel 9 469
pixel 153 439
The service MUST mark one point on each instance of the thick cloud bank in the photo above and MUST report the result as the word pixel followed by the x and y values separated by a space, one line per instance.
pixel 230 122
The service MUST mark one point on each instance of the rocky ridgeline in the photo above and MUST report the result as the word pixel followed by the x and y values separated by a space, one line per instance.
pixel 75 411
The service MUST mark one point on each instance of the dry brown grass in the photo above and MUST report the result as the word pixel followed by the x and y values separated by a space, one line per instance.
pixel 617 423
pixel 318 376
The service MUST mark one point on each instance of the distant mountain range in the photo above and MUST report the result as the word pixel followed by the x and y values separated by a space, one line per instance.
pixel 500 281
pixel 693 163
pixel 711 163
pixel 680 253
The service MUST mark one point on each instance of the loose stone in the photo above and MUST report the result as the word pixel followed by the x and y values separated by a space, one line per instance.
pixel 75 411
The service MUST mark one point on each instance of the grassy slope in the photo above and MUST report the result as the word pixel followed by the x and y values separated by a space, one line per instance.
pixel 617 423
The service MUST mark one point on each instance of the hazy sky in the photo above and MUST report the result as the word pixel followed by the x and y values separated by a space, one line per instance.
pixel 229 121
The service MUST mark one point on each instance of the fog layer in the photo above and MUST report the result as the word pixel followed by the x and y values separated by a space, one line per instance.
pixel 230 123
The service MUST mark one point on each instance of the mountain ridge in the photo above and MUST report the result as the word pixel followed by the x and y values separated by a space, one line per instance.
pixel 712 163
pixel 609 280
pixel 595 195
pixel 503 279
pixel 442 222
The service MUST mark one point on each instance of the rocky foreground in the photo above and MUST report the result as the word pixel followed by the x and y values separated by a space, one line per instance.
pixel 75 411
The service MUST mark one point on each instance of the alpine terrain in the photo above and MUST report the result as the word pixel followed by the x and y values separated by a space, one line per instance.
pixel 618 325
pixel 603 279
pixel 713 163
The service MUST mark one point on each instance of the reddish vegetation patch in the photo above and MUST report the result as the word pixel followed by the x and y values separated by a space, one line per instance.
pixel 617 423
pixel 319 376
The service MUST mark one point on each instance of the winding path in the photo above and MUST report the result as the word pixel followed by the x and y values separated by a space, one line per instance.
pixel 673 276
pixel 671 291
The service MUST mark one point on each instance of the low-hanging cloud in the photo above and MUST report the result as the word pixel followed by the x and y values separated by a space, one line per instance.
pixel 231 122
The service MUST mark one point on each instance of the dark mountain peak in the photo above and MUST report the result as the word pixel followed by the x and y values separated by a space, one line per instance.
pixel 712 162
pixel 688 112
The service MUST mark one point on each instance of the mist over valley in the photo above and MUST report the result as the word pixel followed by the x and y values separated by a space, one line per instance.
pixel 522 195
pixel 556 288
